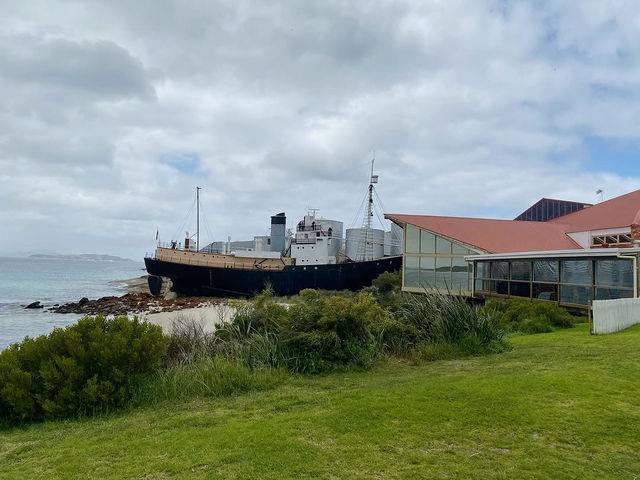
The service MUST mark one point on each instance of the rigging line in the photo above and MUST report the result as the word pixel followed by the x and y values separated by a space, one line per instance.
pixel 358 215
pixel 204 222
pixel 184 220
pixel 394 234
pixel 383 208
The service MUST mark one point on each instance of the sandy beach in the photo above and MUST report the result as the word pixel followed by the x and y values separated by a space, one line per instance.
pixel 206 316
pixel 168 313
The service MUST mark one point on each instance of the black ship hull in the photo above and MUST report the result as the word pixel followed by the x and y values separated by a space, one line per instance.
pixel 210 281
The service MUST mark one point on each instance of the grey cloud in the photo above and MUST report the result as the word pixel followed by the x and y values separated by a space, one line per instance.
pixel 473 108
pixel 98 69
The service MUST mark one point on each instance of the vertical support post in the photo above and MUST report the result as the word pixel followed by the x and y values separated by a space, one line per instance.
pixel 589 319
pixel 197 219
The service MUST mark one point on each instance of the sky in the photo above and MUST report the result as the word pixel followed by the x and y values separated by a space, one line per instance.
pixel 111 113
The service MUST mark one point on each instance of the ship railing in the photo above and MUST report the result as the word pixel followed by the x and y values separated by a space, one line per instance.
pixel 237 266
pixel 177 246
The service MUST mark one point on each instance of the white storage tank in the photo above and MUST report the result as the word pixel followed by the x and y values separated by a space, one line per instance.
pixel 355 247
pixel 395 240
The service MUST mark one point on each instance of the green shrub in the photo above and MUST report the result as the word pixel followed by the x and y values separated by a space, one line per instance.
pixel 388 282
pixel 525 316
pixel 387 289
pixel 87 367
pixel 315 333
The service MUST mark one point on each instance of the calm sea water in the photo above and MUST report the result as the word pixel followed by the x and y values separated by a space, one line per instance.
pixel 26 280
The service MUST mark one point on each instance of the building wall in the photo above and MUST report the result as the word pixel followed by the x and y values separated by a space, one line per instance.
pixel 584 238
pixel 431 261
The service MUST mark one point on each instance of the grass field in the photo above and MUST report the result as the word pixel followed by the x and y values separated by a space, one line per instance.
pixel 559 405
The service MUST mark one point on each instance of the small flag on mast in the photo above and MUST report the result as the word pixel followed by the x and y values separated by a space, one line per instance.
pixel 157 233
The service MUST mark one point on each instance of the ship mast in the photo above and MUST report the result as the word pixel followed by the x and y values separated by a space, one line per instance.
pixel 198 219
pixel 370 204
pixel 366 247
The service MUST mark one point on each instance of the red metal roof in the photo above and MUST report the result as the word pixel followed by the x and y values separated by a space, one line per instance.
pixel 494 236
pixel 621 211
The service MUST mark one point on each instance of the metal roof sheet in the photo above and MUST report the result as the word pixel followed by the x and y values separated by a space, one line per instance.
pixel 494 236
pixel 621 211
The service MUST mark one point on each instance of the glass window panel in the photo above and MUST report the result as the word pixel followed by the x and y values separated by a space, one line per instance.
pixel 459 274
pixel 520 289
pixel 545 291
pixel 606 293
pixel 482 285
pixel 443 246
pixel 411 271
pixel 459 249
pixel 576 271
pixel 443 272
pixel 520 270
pixel 500 270
pixel 427 272
pixel 545 270
pixel 616 272
pixel 500 287
pixel 412 236
pixel 427 242
pixel 482 270
pixel 575 294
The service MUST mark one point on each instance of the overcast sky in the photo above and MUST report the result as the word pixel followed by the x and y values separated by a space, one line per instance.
pixel 111 113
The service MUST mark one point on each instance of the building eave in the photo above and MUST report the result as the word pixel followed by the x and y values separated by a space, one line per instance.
pixel 582 252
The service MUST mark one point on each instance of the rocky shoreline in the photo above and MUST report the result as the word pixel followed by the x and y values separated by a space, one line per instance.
pixel 133 303
pixel 137 301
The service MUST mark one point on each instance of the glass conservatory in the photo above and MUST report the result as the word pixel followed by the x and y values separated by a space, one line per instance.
pixel 568 278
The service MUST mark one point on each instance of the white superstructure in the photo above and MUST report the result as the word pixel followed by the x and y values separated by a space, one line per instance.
pixel 316 240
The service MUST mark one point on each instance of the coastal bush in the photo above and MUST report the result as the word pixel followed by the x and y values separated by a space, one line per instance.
pixel 322 333
pixel 388 282
pixel 314 333
pixel 318 333
pixel 525 316
pixel 387 289
pixel 87 367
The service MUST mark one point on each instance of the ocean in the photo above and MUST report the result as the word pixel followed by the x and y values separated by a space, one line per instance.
pixel 50 281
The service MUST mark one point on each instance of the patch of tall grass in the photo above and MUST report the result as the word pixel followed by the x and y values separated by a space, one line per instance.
pixel 443 325
pixel 205 376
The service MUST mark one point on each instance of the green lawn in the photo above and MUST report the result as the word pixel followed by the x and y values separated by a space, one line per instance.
pixel 559 405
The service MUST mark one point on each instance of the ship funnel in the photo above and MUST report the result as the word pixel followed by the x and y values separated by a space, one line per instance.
pixel 278 232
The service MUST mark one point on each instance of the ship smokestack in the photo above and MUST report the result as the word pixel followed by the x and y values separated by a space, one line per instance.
pixel 278 234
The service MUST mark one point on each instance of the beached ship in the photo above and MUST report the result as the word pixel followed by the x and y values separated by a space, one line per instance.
pixel 316 256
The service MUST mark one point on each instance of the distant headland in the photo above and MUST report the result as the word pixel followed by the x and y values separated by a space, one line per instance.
pixel 82 256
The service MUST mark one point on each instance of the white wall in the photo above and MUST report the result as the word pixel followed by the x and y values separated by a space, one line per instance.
pixel 584 238
pixel 613 315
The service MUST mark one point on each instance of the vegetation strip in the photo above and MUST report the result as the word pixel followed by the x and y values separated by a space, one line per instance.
pixel 558 405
